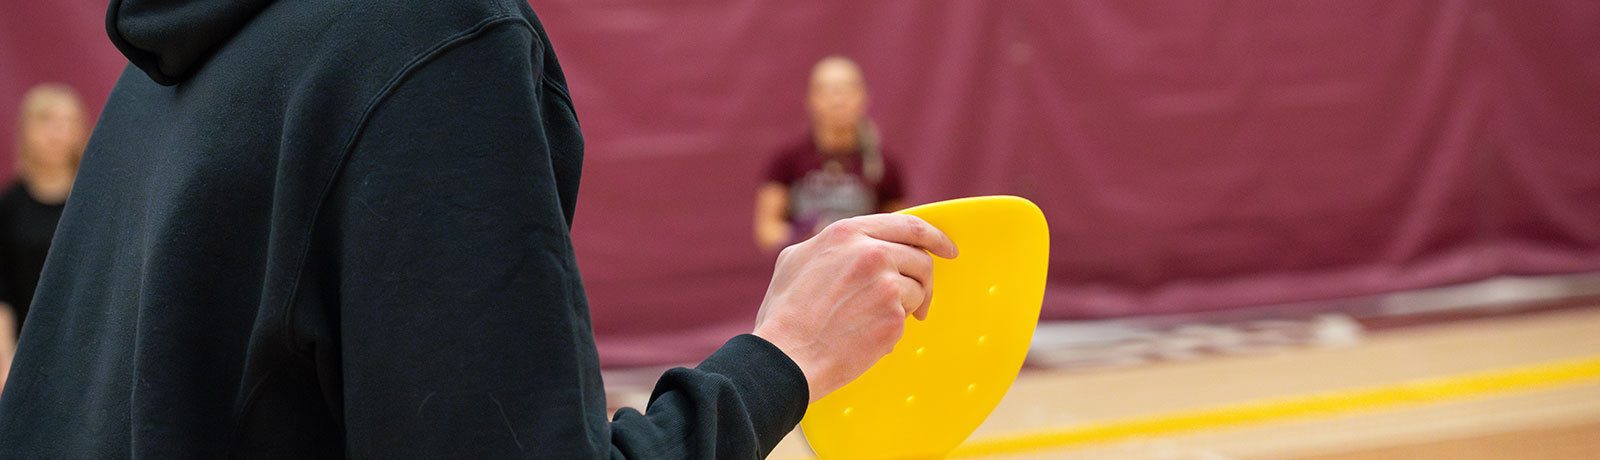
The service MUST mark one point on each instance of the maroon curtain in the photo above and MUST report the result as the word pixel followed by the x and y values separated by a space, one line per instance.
pixel 52 41
pixel 1189 155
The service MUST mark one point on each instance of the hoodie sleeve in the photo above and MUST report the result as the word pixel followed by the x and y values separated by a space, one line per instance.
pixel 462 327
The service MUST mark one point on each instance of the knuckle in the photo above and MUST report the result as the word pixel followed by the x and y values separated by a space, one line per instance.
pixel 918 227
pixel 890 331
pixel 870 258
pixel 844 226
pixel 876 253
pixel 887 289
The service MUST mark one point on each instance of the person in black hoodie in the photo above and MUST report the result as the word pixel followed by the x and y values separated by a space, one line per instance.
pixel 341 230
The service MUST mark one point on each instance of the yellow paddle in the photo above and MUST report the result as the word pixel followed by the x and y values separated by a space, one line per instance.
pixel 948 372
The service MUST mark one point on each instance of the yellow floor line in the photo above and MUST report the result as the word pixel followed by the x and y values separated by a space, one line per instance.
pixel 1435 390
pixel 1458 387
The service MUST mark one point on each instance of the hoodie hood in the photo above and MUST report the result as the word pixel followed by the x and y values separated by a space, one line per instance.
pixel 170 39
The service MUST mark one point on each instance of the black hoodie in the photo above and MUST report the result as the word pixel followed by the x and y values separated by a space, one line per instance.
pixel 340 229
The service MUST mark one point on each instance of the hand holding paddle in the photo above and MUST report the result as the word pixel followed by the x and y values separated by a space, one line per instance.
pixel 949 371
pixel 838 301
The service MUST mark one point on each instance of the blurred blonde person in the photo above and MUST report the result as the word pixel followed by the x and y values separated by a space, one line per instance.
pixel 836 171
pixel 52 131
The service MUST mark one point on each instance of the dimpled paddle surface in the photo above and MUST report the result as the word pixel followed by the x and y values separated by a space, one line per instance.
pixel 948 372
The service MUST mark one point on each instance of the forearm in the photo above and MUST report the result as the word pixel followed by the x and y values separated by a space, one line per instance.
pixel 772 228
pixel 8 340
pixel 738 403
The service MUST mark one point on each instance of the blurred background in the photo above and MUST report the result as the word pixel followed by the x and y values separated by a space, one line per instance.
pixel 1249 200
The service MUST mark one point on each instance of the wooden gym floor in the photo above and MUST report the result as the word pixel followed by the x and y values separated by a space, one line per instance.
pixel 1519 381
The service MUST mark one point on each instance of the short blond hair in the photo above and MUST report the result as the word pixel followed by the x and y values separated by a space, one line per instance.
pixel 841 61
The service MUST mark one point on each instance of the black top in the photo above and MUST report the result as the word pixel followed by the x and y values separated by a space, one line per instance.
pixel 26 226
pixel 344 234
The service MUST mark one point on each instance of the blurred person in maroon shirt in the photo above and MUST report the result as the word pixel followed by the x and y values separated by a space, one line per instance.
pixel 52 131
pixel 836 171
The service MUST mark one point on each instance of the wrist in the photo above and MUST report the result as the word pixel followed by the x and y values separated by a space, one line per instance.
pixel 804 357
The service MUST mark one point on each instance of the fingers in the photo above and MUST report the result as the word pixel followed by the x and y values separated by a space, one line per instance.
pixel 913 263
pixel 916 265
pixel 907 230
pixel 913 297
pixel 912 239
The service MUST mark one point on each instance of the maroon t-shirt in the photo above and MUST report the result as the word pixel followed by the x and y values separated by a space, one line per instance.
pixel 827 187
